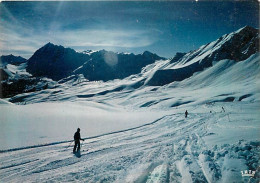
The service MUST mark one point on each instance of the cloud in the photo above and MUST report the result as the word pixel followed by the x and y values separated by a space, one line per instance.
pixel 24 30
pixel 106 38
pixel 17 38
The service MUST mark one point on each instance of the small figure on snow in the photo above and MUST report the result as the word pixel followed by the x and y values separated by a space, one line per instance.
pixel 77 139
pixel 186 114
pixel 223 109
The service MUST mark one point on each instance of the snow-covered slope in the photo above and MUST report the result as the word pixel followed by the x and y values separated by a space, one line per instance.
pixel 237 46
pixel 17 71
pixel 15 80
pixel 11 65
pixel 225 79
pixel 137 132
pixel 205 147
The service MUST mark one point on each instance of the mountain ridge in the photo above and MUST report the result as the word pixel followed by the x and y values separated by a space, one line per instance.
pixel 58 62
pixel 237 46
pixel 11 59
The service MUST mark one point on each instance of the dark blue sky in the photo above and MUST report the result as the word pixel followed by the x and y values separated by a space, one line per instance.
pixel 161 27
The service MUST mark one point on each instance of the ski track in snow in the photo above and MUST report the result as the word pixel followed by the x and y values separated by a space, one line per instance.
pixel 172 149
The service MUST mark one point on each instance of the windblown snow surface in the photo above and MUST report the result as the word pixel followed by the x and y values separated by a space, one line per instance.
pixel 135 132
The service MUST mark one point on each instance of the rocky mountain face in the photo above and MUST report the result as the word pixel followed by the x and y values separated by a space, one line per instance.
pixel 11 59
pixel 3 75
pixel 107 65
pixel 236 46
pixel 57 62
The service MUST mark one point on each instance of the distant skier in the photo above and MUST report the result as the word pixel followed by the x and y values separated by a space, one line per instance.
pixel 186 114
pixel 223 109
pixel 77 139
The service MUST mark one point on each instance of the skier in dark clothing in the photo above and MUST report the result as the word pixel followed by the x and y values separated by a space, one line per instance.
pixel 77 139
pixel 186 114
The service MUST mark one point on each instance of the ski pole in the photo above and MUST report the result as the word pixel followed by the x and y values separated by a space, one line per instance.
pixel 228 118
pixel 81 144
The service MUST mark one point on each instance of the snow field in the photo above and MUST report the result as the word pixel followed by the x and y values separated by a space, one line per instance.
pixel 173 149
pixel 44 123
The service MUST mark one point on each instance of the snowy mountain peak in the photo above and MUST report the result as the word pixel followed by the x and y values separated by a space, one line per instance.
pixel 237 46
pixel 243 42
pixel 88 52
pixel 247 29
